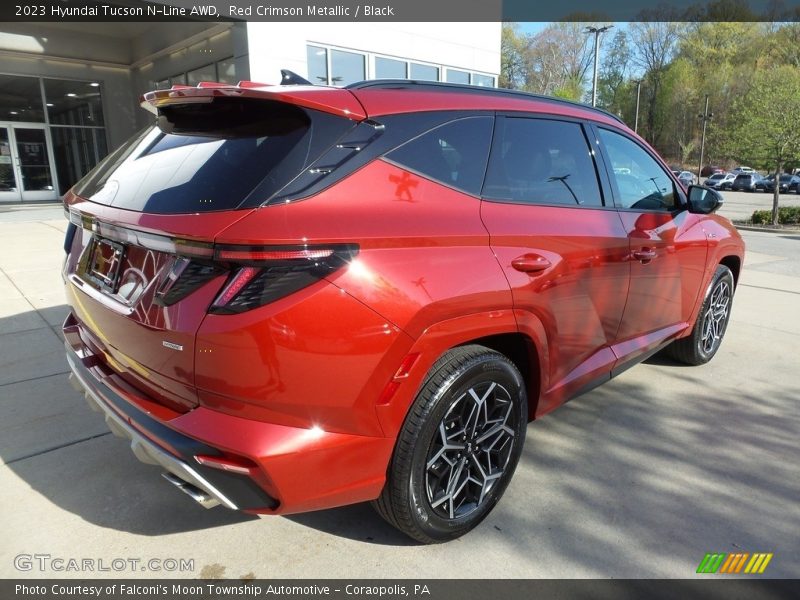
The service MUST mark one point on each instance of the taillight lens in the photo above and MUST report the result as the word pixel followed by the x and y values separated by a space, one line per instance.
pixel 263 274
pixel 184 277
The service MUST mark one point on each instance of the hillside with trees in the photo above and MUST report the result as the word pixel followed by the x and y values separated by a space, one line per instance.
pixel 750 72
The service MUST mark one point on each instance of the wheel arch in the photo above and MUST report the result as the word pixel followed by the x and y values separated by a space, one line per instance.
pixel 520 350
pixel 734 263
pixel 497 330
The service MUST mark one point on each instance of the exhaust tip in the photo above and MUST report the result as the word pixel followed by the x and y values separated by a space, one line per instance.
pixel 192 491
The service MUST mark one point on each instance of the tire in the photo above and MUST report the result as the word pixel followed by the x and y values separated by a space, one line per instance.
pixel 433 492
pixel 711 324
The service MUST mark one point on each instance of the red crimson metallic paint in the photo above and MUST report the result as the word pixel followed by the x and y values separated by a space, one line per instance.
pixel 313 388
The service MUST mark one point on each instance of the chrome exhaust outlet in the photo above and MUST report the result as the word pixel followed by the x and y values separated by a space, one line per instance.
pixel 192 491
pixel 178 472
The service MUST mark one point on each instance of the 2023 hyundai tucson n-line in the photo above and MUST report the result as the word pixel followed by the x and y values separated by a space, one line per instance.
pixel 293 297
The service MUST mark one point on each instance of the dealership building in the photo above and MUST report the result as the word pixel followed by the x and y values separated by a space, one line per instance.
pixel 69 91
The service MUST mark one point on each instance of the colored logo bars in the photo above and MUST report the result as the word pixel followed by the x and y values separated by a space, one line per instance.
pixel 734 562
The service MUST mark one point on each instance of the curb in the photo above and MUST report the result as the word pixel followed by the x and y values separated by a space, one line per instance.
pixel 767 229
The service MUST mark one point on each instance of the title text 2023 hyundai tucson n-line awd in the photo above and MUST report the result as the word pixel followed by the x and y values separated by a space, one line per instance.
pixel 295 297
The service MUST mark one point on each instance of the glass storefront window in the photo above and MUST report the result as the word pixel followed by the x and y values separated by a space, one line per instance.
pixel 77 150
pixel 21 99
pixel 226 71
pixel 388 68
pixel 456 76
pixel 8 179
pixel 482 80
pixel 73 102
pixel 206 73
pixel 424 72
pixel 347 67
pixel 317 65
pixel 34 163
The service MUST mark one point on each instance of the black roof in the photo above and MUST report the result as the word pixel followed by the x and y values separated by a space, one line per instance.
pixel 409 84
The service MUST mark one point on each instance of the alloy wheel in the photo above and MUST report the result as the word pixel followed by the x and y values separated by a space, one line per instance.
pixel 716 317
pixel 471 450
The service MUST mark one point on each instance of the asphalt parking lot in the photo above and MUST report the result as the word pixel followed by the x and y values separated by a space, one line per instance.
pixel 638 478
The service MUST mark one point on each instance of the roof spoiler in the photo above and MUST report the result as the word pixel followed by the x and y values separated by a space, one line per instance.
pixel 292 90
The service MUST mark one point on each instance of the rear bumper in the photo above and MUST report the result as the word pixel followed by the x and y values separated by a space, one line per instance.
pixel 125 420
pixel 293 469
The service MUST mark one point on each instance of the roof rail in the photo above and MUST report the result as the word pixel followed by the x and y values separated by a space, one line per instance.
pixel 459 87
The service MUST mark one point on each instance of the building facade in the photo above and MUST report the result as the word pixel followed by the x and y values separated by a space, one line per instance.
pixel 69 91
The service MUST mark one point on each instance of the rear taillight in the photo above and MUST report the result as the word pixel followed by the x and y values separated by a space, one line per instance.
pixel 184 277
pixel 263 274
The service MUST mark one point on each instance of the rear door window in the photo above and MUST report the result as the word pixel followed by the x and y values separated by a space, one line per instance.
pixel 227 154
pixel 542 161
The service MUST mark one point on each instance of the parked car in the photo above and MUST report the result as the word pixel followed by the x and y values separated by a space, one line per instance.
pixel 745 182
pixel 687 178
pixel 738 170
pixel 724 183
pixel 788 183
pixel 293 298
pixel 715 180
pixel 709 170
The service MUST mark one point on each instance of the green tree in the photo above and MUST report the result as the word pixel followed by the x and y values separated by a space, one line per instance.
pixel 513 57
pixel 763 125
pixel 654 44
pixel 614 70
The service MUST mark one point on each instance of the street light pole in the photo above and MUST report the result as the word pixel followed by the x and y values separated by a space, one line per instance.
pixel 596 31
pixel 638 93
pixel 705 117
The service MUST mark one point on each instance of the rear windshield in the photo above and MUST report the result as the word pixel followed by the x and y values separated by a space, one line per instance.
pixel 227 154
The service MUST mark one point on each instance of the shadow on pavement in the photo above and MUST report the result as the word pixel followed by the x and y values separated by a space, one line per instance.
pixel 627 479
pixel 358 522
pixel 622 481
pixel 53 442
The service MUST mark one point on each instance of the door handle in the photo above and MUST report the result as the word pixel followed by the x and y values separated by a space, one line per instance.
pixel 645 255
pixel 530 263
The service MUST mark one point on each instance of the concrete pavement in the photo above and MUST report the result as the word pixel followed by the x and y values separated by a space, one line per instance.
pixel 639 478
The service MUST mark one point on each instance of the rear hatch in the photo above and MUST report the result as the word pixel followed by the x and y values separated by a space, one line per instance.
pixel 141 256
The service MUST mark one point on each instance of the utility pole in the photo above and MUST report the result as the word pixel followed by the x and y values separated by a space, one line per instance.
pixel 638 93
pixel 596 31
pixel 705 118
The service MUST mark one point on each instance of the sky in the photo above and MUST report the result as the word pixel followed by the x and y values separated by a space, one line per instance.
pixel 534 28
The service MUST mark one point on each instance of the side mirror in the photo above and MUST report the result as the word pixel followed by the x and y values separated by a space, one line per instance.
pixel 703 200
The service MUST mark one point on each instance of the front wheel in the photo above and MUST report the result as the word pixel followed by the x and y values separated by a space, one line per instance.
pixel 458 447
pixel 711 324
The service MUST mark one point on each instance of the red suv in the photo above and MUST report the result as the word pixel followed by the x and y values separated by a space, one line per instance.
pixel 293 297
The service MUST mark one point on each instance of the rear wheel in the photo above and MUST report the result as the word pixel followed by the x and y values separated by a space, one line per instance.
pixel 711 324
pixel 458 447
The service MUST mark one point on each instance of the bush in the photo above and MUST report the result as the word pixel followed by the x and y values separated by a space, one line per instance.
pixel 787 215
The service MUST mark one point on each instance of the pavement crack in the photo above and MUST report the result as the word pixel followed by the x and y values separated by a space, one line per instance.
pixel 761 287
pixel 59 447
pixel 28 300
pixel 34 378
